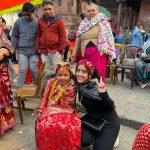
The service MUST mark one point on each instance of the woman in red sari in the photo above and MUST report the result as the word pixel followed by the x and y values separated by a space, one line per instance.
pixel 6 111
pixel 59 126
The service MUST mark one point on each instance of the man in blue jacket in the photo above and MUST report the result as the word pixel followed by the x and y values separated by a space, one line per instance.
pixel 23 38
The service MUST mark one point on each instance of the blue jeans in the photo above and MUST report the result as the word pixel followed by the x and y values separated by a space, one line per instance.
pixel 24 63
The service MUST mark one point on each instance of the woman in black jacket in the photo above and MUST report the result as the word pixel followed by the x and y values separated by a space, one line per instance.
pixel 99 106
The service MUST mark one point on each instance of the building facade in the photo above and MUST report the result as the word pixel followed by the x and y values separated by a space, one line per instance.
pixel 144 15
pixel 125 13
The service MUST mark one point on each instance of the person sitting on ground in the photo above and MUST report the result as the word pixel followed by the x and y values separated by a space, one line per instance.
pixel 99 106
pixel 58 125
pixel 142 140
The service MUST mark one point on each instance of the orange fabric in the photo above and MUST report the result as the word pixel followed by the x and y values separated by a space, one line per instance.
pixel 79 55
pixel 63 69
pixel 7 4
pixel 29 79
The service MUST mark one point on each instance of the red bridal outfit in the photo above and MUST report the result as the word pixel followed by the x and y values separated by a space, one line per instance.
pixel 7 120
pixel 59 127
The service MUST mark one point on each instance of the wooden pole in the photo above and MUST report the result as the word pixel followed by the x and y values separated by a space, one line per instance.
pixel 119 15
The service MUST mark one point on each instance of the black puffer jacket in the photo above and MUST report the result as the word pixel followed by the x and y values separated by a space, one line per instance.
pixel 93 101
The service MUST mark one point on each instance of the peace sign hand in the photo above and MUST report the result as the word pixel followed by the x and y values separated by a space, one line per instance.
pixel 101 86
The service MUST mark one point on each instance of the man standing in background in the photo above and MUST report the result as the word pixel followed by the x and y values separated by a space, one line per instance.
pixel 23 38
pixel 51 35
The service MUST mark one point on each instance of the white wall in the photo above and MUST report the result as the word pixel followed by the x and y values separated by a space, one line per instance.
pixel 10 18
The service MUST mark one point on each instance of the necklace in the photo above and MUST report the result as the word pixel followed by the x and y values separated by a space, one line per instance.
pixel 62 89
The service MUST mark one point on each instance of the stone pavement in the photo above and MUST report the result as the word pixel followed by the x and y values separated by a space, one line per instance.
pixel 132 105
pixel 23 136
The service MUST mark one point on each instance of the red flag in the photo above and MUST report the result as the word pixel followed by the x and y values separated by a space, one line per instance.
pixel 5 4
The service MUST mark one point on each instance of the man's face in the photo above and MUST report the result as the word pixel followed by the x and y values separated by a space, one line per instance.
pixel 29 16
pixel 48 10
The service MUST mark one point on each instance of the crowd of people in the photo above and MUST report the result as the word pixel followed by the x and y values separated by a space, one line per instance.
pixel 58 124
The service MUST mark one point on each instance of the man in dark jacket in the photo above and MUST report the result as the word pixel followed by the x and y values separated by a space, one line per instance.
pixel 51 35
pixel 24 39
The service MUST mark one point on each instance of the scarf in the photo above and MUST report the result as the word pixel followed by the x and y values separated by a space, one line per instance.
pixel 105 37
pixel 90 91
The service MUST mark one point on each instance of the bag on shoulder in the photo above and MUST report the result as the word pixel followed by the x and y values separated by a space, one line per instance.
pixel 93 124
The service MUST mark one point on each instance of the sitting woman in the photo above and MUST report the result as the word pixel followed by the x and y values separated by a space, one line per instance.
pixel 99 107
pixel 143 66
pixel 7 120
pixel 59 126
pixel 142 140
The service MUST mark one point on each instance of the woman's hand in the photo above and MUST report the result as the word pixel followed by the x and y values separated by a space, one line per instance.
pixel 101 86
pixel 4 51
pixel 39 114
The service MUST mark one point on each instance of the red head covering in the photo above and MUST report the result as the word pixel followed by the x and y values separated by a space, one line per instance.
pixel 88 64
pixel 63 69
